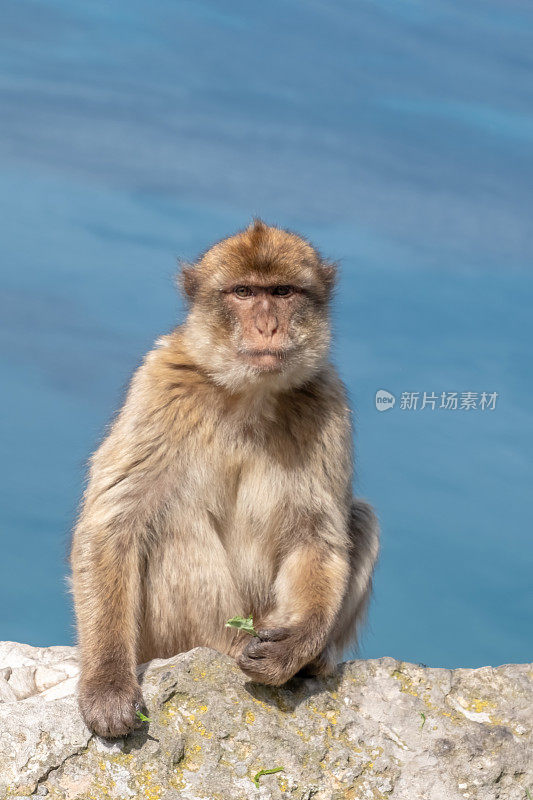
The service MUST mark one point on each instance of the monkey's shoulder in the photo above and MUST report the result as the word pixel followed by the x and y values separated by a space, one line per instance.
pixel 170 373
pixel 168 398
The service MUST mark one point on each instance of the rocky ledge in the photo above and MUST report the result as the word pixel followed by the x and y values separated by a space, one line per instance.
pixel 375 729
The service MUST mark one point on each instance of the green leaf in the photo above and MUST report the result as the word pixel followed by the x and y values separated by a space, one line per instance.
pixel 265 772
pixel 142 717
pixel 245 624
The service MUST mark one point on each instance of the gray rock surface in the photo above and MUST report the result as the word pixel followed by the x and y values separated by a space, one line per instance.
pixel 376 729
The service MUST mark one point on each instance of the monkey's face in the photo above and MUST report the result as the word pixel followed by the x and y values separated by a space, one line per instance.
pixel 260 309
pixel 268 323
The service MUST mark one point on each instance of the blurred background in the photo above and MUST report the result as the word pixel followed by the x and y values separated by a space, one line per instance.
pixel 395 134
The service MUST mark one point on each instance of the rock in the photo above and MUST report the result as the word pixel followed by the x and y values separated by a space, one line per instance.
pixel 375 729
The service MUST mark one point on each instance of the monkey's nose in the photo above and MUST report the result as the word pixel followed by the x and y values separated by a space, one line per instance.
pixel 266 324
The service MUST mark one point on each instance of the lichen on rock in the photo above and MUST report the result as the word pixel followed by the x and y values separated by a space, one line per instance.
pixel 375 729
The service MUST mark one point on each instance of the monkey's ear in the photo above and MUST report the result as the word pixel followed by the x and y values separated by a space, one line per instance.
pixel 187 281
pixel 329 274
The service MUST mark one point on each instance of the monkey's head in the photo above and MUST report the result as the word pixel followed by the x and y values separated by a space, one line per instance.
pixel 259 309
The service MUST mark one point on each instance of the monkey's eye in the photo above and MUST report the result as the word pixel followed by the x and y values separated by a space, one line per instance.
pixel 282 291
pixel 243 291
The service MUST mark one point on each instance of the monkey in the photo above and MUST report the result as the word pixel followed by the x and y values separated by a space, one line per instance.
pixel 224 487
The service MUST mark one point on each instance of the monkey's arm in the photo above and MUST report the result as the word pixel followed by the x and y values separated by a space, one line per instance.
pixel 309 591
pixel 106 592
pixel 106 569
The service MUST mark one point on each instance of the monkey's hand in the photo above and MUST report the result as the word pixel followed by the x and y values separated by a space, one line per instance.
pixel 274 655
pixel 109 707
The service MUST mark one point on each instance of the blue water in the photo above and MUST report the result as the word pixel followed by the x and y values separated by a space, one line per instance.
pixel 398 136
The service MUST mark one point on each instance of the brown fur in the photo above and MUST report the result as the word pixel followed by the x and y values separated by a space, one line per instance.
pixel 224 488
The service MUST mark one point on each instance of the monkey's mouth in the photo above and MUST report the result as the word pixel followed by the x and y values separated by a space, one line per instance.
pixel 266 360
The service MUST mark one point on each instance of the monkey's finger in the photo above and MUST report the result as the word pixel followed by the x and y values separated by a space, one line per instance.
pixel 249 665
pixel 273 634
pixel 257 649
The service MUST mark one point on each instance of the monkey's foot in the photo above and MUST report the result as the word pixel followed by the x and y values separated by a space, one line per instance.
pixel 274 656
pixel 108 710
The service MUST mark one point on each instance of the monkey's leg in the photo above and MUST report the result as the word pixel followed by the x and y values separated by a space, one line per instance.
pixel 364 539
pixel 309 591
pixel 106 591
pixel 189 591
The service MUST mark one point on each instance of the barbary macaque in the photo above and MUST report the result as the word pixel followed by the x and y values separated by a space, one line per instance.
pixel 224 487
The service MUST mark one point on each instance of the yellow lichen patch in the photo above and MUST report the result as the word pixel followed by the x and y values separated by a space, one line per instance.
pixel 106 774
pixel 407 687
pixel 483 708
pixel 406 683
pixel 478 706
pixel 453 717
pixel 118 758
pixel 188 710
pixel 166 715
pixel 199 726
pixel 438 710
pixel 331 716
pixel 329 732
pixel 260 703
pixel 177 781
pixel 317 711
pixel 198 674
pixel 148 789
pixel 101 786
pixel 249 717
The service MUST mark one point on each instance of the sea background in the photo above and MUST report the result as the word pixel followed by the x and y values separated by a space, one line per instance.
pixel 395 134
